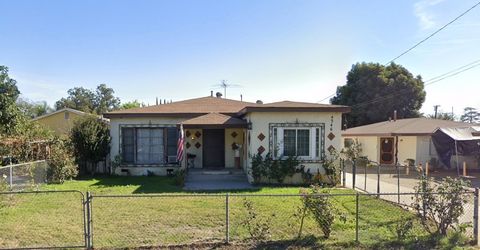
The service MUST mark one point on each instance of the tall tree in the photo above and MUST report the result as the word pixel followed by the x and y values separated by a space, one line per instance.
pixel 375 91
pixel 131 105
pixel 99 101
pixel 9 113
pixel 470 115
pixel 105 100
pixel 79 98
pixel 33 109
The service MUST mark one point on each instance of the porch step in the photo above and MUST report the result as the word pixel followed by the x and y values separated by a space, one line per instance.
pixel 216 172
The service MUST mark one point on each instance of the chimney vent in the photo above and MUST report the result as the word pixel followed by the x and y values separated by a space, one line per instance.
pixel 395 116
pixel 259 102
pixel 211 93
pixel 219 95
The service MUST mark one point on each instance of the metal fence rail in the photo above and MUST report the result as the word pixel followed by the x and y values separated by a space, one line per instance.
pixel 24 175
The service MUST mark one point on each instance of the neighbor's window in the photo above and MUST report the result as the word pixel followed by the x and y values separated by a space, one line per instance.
pixel 304 142
pixel 149 145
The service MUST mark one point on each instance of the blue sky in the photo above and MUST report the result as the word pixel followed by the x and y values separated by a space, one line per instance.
pixel 276 50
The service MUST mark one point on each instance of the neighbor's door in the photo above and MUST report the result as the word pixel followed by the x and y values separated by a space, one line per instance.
pixel 386 150
pixel 214 148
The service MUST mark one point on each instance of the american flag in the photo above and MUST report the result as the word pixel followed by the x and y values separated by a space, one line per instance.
pixel 180 148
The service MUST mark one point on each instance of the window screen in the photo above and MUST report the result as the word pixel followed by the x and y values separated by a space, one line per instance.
pixel 172 138
pixel 128 145
pixel 303 142
pixel 289 142
pixel 150 146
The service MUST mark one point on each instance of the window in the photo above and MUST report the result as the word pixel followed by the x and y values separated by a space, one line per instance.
pixel 306 142
pixel 348 142
pixel 149 145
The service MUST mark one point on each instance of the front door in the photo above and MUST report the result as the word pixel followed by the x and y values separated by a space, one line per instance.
pixel 386 150
pixel 214 148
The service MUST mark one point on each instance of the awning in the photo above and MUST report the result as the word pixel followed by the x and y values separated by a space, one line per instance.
pixel 214 120
pixel 456 141
pixel 462 134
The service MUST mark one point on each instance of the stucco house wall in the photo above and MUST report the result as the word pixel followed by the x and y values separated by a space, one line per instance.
pixel 418 148
pixel 61 123
pixel 260 124
pixel 192 140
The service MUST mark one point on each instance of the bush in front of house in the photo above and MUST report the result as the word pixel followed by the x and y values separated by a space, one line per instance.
pixel 61 163
pixel 90 137
pixel 441 205
pixel 268 169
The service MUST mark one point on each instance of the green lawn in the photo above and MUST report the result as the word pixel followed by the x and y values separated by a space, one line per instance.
pixel 55 219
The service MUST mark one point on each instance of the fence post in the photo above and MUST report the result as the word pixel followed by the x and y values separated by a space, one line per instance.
pixel 227 219
pixel 354 173
pixel 89 221
pixel 10 179
pixel 398 183
pixel 344 175
pixel 378 180
pixel 356 216
pixel 475 216
pixel 365 183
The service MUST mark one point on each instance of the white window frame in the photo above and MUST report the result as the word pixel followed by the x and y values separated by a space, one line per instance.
pixel 312 142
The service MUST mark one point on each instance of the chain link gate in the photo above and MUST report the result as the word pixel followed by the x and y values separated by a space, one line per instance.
pixel 42 220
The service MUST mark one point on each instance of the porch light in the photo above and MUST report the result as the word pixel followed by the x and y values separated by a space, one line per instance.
pixel 386 141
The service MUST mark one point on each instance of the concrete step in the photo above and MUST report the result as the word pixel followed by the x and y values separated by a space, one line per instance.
pixel 228 178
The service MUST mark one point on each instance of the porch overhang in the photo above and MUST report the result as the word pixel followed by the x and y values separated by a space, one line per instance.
pixel 214 121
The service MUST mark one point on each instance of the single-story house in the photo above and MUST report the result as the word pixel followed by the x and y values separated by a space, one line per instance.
pixel 60 121
pixel 412 137
pixel 222 134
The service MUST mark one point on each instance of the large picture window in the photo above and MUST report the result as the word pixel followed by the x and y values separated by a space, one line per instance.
pixel 306 142
pixel 149 145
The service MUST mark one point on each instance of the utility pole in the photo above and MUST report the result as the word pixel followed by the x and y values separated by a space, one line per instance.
pixel 436 110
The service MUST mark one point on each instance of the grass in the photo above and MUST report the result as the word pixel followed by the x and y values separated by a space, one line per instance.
pixel 55 219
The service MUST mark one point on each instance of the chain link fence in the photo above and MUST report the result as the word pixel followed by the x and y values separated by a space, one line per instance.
pixel 265 221
pixel 23 176
pixel 42 219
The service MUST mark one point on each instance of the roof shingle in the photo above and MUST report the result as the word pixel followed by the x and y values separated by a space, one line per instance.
pixel 411 126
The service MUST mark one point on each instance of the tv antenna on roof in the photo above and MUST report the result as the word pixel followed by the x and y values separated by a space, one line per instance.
pixel 226 85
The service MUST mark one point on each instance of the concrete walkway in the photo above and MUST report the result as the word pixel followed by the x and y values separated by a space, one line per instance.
pixel 205 180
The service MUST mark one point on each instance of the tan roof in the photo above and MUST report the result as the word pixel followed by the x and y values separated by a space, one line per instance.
pixel 205 105
pixel 197 106
pixel 411 126
pixel 215 120
pixel 285 106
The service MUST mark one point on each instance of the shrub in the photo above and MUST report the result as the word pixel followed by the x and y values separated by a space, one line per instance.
pixel 403 228
pixel 91 140
pixel 440 206
pixel 179 177
pixel 61 165
pixel 273 169
pixel 316 203
pixel 258 227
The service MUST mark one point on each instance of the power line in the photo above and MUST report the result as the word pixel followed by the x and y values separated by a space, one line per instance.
pixel 422 41
pixel 433 34
pixel 427 83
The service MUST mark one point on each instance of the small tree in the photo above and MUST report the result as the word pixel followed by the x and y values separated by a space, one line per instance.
pixel 440 206
pixel 316 203
pixel 90 137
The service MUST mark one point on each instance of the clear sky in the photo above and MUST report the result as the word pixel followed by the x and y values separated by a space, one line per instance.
pixel 276 50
